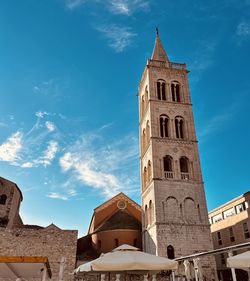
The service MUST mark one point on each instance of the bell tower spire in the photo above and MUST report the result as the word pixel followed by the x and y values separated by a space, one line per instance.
pixel 159 52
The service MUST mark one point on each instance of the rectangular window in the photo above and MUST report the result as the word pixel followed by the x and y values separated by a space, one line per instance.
pixel 223 260
pixel 246 231
pixel 240 208
pixel 228 213
pixel 217 218
pixel 246 204
pixel 231 234
pixel 219 238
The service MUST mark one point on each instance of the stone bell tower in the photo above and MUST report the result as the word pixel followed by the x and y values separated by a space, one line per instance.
pixel 175 217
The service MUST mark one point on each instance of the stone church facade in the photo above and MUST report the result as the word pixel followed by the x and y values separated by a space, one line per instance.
pixel 175 216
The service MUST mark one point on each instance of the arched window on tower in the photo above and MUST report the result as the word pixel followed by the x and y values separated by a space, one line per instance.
pixel 142 105
pixel 146 95
pixel 167 167
pixel 143 139
pixel 149 171
pixel 175 91
pixel 170 252
pixel 151 213
pixel 146 216
pixel 147 132
pixel 145 177
pixel 164 120
pixel 184 168
pixel 161 89
pixel 179 127
pixel 3 199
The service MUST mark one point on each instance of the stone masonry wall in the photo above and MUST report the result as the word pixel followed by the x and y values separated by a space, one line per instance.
pixel 51 242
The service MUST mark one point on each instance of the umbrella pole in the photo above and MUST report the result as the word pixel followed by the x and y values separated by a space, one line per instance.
pixel 44 277
pixel 173 275
pixel 230 254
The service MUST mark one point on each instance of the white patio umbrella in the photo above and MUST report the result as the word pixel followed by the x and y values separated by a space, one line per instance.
pixel 241 261
pixel 128 258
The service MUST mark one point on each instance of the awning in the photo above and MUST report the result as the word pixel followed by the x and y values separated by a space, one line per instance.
pixel 24 267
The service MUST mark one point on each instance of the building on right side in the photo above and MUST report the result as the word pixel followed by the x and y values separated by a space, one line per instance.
pixel 230 225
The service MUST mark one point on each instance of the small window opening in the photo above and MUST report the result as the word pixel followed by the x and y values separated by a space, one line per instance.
pixel 246 230
pixel 3 199
pixel 170 252
pixel 116 242
pixel 135 242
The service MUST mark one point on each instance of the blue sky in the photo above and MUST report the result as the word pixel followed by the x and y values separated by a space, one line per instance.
pixel 69 74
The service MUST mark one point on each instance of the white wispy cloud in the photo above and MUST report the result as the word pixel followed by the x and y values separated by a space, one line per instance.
pixel 127 7
pixel 243 29
pixel 119 37
pixel 41 114
pixel 56 195
pixel 108 168
pixel 117 7
pixel 45 159
pixel 10 149
pixel 50 126
pixel 73 4
pixel 49 153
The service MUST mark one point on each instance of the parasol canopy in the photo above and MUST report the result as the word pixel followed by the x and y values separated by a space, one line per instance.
pixel 241 261
pixel 128 258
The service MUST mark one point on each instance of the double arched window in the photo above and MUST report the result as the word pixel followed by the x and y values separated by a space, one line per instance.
pixel 179 127
pixel 161 89
pixel 145 137
pixel 3 199
pixel 184 168
pixel 175 91
pixel 167 167
pixel 164 121
pixel 147 174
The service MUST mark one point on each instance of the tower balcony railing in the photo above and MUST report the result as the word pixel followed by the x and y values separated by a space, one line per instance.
pixel 185 176
pixel 168 175
pixel 166 64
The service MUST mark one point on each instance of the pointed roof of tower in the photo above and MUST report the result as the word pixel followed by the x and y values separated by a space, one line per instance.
pixel 159 52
